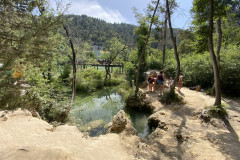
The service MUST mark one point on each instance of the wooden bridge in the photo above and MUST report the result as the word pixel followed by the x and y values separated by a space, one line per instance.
pixel 84 66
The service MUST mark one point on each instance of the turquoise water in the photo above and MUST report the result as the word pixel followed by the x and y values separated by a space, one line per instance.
pixel 96 110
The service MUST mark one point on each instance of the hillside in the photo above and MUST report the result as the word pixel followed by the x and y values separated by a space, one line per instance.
pixel 97 31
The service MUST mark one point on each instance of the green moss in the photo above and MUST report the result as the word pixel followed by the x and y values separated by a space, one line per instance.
pixel 169 97
pixel 217 111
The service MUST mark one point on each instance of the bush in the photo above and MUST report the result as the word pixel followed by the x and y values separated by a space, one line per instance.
pixel 217 111
pixel 126 91
pixel 230 72
pixel 89 80
pixel 197 70
pixel 130 72
pixel 66 72
pixel 154 60
pixel 169 97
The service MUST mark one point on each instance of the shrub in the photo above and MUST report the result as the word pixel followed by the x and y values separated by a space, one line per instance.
pixel 89 80
pixel 126 91
pixel 169 97
pixel 197 70
pixel 130 72
pixel 230 72
pixel 66 72
pixel 217 111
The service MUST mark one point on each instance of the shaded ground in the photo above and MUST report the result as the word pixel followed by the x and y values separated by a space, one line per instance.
pixel 181 134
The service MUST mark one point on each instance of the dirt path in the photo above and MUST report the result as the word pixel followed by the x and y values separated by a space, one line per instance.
pixel 181 134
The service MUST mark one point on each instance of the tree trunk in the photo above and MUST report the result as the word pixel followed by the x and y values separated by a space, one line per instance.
pixel 213 58
pixel 144 48
pixel 107 69
pixel 74 70
pixel 219 41
pixel 219 44
pixel 110 60
pixel 164 41
pixel 174 46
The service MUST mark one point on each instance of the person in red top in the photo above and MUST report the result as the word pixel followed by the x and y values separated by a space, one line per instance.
pixel 150 83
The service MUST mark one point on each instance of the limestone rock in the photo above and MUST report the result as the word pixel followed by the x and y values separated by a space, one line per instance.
pixel 205 115
pixel 121 124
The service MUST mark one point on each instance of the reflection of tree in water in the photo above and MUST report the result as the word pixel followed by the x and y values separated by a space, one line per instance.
pixel 107 93
pixel 113 105
pixel 139 120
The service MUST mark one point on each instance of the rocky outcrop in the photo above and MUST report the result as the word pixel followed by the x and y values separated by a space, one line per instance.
pixel 25 137
pixel 158 120
pixel 121 124
pixel 140 102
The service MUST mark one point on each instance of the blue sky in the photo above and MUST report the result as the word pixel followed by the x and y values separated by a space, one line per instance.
pixel 117 11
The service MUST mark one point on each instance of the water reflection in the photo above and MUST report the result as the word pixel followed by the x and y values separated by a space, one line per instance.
pixel 97 109
pixel 139 120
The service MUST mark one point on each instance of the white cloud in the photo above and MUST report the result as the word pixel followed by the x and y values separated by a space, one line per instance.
pixel 94 9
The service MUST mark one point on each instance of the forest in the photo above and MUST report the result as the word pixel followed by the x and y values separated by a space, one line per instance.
pixel 47 56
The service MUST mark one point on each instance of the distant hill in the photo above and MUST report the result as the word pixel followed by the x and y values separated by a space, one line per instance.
pixel 97 32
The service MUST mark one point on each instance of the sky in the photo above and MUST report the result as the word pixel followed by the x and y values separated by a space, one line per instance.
pixel 118 11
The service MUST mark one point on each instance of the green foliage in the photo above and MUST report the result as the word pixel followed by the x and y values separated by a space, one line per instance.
pixel 197 70
pixel 170 66
pixel 217 111
pixel 130 72
pixel 141 33
pixel 89 80
pixel 126 91
pixel 29 33
pixel 96 31
pixel 230 73
pixel 169 97
pixel 66 73
pixel 187 44
pixel 154 59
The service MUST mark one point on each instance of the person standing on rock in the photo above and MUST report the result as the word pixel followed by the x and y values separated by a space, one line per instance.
pixel 180 83
pixel 160 81
pixel 150 83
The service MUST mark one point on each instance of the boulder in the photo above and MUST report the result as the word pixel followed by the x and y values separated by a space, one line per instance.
pixel 121 124
pixel 140 102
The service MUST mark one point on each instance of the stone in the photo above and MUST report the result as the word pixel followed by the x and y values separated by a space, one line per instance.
pixel 205 116
pixel 4 118
pixel 121 124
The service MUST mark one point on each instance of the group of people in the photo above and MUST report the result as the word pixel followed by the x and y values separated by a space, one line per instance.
pixel 160 79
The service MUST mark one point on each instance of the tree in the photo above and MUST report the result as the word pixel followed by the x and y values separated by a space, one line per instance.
pixel 144 48
pixel 74 69
pixel 174 46
pixel 187 44
pixel 162 10
pixel 114 48
pixel 28 33
pixel 213 56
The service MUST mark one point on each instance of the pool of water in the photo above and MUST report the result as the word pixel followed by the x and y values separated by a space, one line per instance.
pixel 93 111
